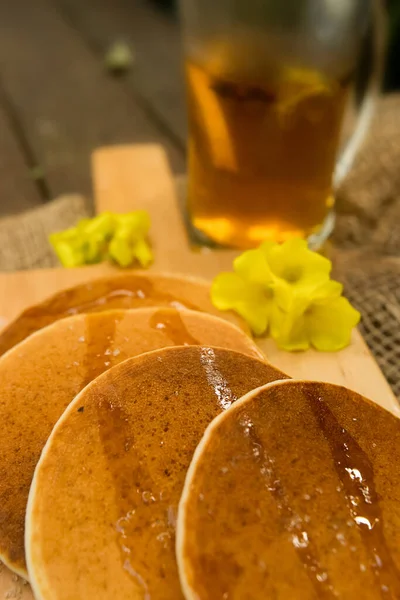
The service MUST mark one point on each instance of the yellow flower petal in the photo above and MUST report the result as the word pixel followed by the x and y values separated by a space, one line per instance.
pixel 287 298
pixel 329 324
pixel 68 255
pixel 103 226
pixel 266 246
pixel 225 289
pixel 142 252
pixel 255 314
pixel 229 288
pixel 137 222
pixel 327 291
pixel 297 303
pixel 81 226
pixel 289 331
pixel 298 274
pixel 94 249
pixel 298 266
pixel 252 266
pixel 121 251
pixel 230 292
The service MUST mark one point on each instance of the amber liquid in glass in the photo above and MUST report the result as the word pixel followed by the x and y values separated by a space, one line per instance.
pixel 262 153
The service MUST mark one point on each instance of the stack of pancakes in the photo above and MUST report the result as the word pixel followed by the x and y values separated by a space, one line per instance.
pixel 149 450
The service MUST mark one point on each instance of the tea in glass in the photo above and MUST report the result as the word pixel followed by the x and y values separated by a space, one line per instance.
pixel 262 152
pixel 268 84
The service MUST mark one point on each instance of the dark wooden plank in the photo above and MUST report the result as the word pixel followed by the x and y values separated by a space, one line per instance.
pixel 18 191
pixel 67 104
pixel 154 36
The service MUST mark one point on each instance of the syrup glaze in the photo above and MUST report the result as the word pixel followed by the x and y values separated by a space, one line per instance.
pixel 137 425
pixel 171 324
pixel 357 477
pixel 126 291
pixel 148 502
pixel 100 337
pixel 41 376
pixel 295 493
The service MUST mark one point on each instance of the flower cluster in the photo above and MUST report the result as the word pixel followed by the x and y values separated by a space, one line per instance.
pixel 120 237
pixel 285 290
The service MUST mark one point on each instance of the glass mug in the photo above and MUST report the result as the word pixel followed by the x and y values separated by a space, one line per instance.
pixel 268 83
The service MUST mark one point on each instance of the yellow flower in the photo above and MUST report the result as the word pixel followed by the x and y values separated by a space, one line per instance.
pixel 121 237
pixel 325 325
pixel 297 271
pixel 286 288
pixel 125 249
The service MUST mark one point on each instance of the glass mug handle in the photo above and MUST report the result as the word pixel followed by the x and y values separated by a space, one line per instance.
pixel 376 49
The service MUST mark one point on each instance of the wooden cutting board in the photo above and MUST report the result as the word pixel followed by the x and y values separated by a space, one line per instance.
pixel 130 177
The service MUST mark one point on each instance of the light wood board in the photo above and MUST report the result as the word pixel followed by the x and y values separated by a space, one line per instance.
pixel 130 177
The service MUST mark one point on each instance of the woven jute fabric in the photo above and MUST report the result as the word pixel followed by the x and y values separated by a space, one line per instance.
pixel 366 238
pixel 372 284
pixel 376 294
pixel 24 240
pixel 368 202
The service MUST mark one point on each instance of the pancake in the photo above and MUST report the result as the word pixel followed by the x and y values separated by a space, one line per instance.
pixel 41 376
pixel 293 493
pixel 102 507
pixel 125 291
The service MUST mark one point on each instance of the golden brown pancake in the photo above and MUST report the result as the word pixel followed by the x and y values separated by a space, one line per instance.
pixel 294 493
pixel 103 502
pixel 42 375
pixel 125 291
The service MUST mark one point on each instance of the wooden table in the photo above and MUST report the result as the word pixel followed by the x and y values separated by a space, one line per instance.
pixel 58 103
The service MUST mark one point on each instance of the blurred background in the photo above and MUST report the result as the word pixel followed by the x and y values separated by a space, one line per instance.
pixel 392 77
pixel 77 74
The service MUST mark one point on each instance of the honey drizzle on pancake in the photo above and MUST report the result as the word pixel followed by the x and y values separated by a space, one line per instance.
pixel 301 541
pixel 139 287
pixel 145 502
pixel 120 292
pixel 215 379
pixel 356 473
pixel 135 490
pixel 129 478
pixel 170 323
pixel 99 346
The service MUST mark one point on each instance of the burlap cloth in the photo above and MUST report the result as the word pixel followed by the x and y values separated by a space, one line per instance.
pixel 24 238
pixel 366 240
pixel 367 237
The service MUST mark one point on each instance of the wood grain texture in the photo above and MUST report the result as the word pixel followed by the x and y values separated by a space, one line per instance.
pixel 18 191
pixel 154 37
pixel 129 177
pixel 66 102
